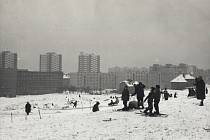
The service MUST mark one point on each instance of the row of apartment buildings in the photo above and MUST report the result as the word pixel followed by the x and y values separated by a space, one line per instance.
pixel 50 77
pixel 155 74
pixel 14 81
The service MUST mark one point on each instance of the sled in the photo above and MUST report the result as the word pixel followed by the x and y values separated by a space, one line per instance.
pixel 152 115
pixel 129 110
pixel 207 129
pixel 110 119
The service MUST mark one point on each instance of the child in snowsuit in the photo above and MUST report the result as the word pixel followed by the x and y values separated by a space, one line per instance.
pixel 95 107
pixel 149 99
pixel 166 94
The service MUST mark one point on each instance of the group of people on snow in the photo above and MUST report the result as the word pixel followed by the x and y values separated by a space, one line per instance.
pixel 112 103
pixel 152 99
pixel 155 95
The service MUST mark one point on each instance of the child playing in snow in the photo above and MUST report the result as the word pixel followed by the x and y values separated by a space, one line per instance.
pixel 149 99
pixel 95 107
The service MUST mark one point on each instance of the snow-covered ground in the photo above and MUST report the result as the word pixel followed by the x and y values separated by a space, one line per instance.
pixel 186 119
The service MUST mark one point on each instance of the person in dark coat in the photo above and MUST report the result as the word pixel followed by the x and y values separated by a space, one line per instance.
pixel 96 107
pixel 75 104
pixel 200 89
pixel 28 108
pixel 175 95
pixel 149 99
pixel 157 95
pixel 125 98
pixel 166 94
pixel 139 91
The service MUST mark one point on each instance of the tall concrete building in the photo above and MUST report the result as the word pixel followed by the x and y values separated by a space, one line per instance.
pixel 50 62
pixel 89 63
pixel 8 60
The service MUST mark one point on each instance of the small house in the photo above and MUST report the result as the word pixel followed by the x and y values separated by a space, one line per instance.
pixel 179 83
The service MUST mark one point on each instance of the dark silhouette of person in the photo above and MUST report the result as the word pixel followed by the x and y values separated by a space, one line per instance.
pixel 139 91
pixel 28 108
pixel 125 98
pixel 175 95
pixel 200 89
pixel 116 100
pixel 157 95
pixel 166 94
pixel 149 99
pixel 191 92
pixel 75 104
pixel 111 103
pixel 96 107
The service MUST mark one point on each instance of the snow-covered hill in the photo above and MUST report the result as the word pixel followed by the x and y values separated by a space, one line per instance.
pixel 186 119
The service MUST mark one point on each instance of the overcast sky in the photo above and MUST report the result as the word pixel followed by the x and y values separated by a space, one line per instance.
pixel 134 33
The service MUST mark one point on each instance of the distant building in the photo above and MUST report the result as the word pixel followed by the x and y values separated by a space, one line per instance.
pixel 179 83
pixel 34 82
pixel 8 60
pixel 182 68
pixel 50 62
pixel 66 81
pixel 154 77
pixel 8 82
pixel 167 73
pixel 182 81
pixel 88 63
pixel 190 80
pixel 125 73
pixel 93 81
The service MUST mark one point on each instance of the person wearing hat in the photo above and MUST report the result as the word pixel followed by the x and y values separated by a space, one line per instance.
pixel 125 98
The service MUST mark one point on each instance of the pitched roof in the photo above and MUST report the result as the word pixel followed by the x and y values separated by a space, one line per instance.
pixel 189 77
pixel 179 79
pixel 127 83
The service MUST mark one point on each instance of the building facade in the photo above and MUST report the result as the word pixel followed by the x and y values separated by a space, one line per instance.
pixel 8 82
pixel 89 63
pixel 8 60
pixel 50 62
pixel 34 82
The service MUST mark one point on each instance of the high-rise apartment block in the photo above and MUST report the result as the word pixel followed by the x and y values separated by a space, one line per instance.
pixel 8 60
pixel 50 62
pixel 89 63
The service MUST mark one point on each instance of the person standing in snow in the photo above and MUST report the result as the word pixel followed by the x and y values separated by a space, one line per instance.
pixel 200 89
pixel 166 94
pixel 28 108
pixel 157 95
pixel 149 99
pixel 125 98
pixel 139 91
pixel 96 107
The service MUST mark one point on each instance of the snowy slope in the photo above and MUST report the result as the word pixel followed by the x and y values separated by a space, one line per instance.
pixel 186 120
